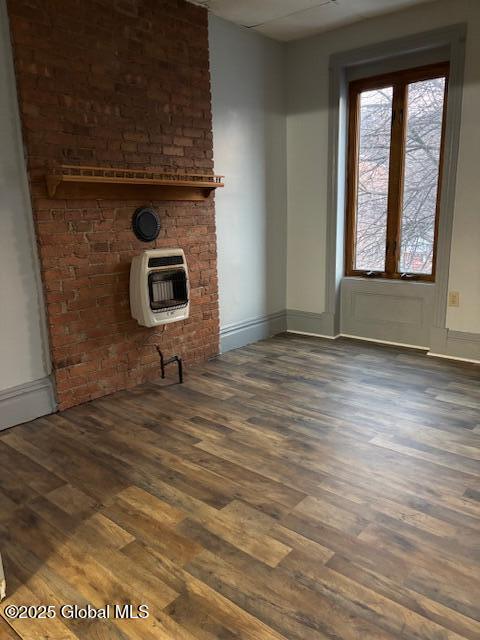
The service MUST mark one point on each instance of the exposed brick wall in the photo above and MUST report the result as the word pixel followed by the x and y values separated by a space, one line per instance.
pixel 115 83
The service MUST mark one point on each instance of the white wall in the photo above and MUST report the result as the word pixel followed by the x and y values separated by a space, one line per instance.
pixel 307 143
pixel 23 352
pixel 249 140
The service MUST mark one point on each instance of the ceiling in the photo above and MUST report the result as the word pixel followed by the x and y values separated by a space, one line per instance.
pixel 292 19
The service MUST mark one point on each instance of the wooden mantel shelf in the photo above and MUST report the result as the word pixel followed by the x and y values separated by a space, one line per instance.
pixel 110 182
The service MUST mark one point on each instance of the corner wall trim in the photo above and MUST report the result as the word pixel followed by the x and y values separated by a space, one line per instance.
pixel 239 334
pixel 26 402
pixel 320 324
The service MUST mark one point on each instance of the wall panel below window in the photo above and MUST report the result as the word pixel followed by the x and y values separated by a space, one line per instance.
pixel 399 312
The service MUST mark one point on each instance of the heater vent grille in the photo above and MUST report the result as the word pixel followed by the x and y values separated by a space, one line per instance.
pixel 164 261
pixel 168 290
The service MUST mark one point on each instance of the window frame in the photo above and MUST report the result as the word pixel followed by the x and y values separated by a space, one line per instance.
pixel 399 80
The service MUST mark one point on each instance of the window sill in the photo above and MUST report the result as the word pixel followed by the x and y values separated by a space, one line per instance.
pixel 393 281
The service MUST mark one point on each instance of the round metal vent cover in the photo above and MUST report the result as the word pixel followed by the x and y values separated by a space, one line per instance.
pixel 146 224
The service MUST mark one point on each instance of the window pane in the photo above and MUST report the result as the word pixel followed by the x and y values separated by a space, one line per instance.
pixel 422 161
pixel 373 169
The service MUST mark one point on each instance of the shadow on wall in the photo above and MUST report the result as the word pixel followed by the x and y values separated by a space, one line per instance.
pixel 248 102
pixel 23 331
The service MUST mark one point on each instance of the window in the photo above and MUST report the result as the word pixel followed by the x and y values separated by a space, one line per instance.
pixel 396 131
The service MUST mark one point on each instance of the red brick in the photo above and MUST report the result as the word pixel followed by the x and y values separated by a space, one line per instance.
pixel 173 151
pixel 97 104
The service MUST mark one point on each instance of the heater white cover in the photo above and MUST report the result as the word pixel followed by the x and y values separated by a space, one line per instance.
pixel 159 287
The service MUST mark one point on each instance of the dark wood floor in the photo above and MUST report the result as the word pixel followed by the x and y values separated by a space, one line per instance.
pixel 296 488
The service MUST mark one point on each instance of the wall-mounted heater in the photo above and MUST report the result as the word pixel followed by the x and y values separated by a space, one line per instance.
pixel 159 287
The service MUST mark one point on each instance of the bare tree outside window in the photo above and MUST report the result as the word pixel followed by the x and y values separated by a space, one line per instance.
pixel 395 140
pixel 373 170
pixel 422 161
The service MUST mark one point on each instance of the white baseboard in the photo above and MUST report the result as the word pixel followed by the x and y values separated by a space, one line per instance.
pixel 456 358
pixel 447 344
pixel 26 402
pixel 455 345
pixel 393 344
pixel 309 323
pixel 245 332
pixel 470 340
pixel 313 335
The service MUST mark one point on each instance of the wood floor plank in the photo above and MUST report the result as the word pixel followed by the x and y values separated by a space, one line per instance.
pixel 36 629
pixel 230 614
pixel 380 610
pixel 413 601
pixel 292 609
pixel 294 489
pixel 7 632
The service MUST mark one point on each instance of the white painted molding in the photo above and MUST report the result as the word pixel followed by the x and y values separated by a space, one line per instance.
pixel 239 334
pixel 309 323
pixel 442 355
pixel 26 402
pixel 312 335
pixel 388 342
pixel 454 345
pixel 457 345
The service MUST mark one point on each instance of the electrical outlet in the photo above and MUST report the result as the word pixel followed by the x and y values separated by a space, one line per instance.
pixel 453 299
